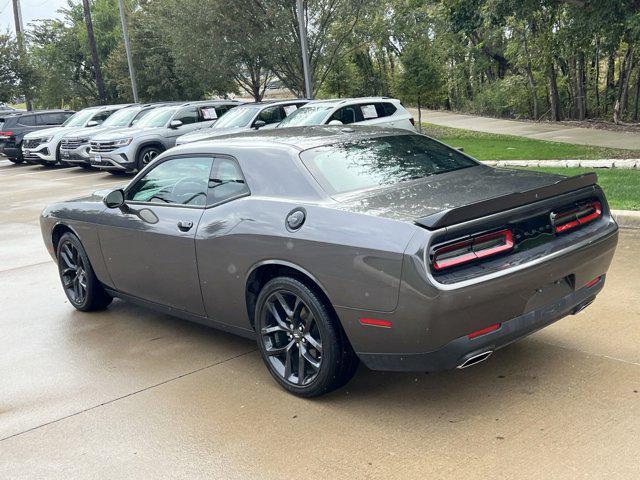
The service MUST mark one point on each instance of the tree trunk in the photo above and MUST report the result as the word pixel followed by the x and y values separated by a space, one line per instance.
pixel 530 78
pixel 581 99
pixel 611 83
pixel 623 85
pixel 597 85
pixel 554 97
pixel 636 102
pixel 94 52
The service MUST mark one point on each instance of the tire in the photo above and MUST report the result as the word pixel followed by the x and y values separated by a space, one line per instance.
pixel 73 267
pixel 17 161
pixel 61 162
pixel 316 342
pixel 146 156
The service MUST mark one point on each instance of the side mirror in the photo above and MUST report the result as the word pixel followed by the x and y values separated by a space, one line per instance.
pixel 92 123
pixel 259 124
pixel 114 199
pixel 335 122
pixel 460 149
pixel 175 124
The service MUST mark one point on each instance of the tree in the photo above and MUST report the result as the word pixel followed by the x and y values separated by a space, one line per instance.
pixel 420 82
pixel 9 75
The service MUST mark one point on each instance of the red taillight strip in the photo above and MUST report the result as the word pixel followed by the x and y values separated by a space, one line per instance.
pixel 475 252
pixel 484 331
pixel 593 282
pixel 575 219
pixel 375 322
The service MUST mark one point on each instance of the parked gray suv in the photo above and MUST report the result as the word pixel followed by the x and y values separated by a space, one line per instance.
pixel 74 147
pixel 131 150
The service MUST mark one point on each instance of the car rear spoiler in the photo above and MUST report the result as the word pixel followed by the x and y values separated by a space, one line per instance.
pixel 484 208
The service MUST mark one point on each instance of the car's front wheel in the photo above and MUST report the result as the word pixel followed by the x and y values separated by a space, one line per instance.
pixel 301 341
pixel 146 156
pixel 79 282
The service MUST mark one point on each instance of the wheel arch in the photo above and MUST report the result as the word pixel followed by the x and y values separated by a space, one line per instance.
pixel 58 231
pixel 264 271
pixel 149 143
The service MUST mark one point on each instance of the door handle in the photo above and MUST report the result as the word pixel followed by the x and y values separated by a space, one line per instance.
pixel 185 226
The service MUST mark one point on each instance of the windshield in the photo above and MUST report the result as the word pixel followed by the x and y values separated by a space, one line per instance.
pixel 305 116
pixel 381 161
pixel 121 118
pixel 158 117
pixel 79 119
pixel 238 117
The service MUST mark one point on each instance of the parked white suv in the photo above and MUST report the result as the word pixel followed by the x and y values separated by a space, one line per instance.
pixel 43 146
pixel 381 111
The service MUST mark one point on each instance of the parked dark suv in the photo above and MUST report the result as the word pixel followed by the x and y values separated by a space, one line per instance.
pixel 15 125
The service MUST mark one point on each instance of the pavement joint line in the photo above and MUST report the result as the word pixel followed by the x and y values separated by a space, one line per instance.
pixel 122 397
pixel 13 269
pixel 608 357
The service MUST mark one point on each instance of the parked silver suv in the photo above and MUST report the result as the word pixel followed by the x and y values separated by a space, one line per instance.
pixel 74 147
pixel 134 148
pixel 267 114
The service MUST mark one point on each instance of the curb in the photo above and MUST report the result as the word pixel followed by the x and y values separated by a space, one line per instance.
pixel 627 218
pixel 626 164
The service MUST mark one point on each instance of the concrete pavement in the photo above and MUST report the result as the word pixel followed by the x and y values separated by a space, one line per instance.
pixel 539 131
pixel 129 393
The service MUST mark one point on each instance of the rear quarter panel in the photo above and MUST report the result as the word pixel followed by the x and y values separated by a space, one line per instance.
pixel 356 259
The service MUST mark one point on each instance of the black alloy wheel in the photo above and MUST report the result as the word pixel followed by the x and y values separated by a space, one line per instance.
pixel 79 282
pixel 146 156
pixel 291 338
pixel 300 340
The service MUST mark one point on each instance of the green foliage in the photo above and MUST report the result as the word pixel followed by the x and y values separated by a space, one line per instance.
pixel 9 63
pixel 622 187
pixel 489 146
pixel 421 80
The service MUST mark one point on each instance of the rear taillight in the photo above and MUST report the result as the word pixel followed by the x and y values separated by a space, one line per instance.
pixel 6 134
pixel 571 219
pixel 413 122
pixel 474 248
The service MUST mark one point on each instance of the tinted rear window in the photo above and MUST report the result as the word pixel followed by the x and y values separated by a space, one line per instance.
pixel 380 161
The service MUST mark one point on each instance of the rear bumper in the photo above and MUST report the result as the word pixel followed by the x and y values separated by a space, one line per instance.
pixel 11 152
pixel 456 352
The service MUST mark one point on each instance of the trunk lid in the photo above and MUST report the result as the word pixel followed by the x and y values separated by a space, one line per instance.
pixel 435 201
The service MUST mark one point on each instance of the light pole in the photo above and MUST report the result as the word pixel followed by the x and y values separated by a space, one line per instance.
pixel 17 17
pixel 305 50
pixel 127 47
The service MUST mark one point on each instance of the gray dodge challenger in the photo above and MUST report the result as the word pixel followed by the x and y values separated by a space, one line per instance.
pixel 334 245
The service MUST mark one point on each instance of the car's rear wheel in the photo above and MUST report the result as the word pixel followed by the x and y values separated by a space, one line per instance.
pixel 301 341
pixel 146 156
pixel 79 282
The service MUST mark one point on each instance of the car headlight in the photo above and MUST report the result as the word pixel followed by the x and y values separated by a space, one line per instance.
pixel 122 142
pixel 46 139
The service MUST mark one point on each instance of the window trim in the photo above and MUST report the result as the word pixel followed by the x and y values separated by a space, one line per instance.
pixel 214 156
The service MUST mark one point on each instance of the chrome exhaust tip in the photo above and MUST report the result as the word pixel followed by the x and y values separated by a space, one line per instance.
pixel 474 359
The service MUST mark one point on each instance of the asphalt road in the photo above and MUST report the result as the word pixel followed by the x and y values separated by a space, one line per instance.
pixel 128 393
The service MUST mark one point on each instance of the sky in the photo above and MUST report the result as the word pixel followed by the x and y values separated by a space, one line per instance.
pixel 31 10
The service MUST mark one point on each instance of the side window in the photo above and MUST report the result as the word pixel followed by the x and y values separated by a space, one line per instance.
pixel 385 109
pixel 226 181
pixel 271 115
pixel 102 116
pixel 187 115
pixel 51 119
pixel 208 113
pixel 347 115
pixel 27 120
pixel 371 111
pixel 178 181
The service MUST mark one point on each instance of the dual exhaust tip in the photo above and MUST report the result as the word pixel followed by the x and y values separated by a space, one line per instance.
pixel 474 359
